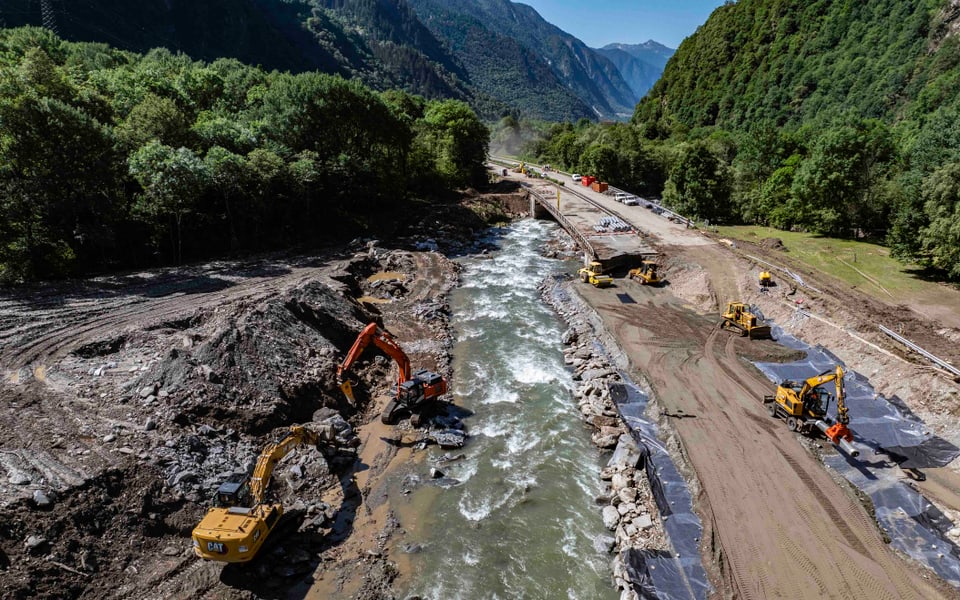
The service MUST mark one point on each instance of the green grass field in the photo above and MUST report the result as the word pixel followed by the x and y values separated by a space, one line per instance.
pixel 866 265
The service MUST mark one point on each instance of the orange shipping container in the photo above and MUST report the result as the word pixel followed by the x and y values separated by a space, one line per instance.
pixel 603 186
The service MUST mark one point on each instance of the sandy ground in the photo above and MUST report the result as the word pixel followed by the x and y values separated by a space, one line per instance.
pixel 765 499
pixel 777 523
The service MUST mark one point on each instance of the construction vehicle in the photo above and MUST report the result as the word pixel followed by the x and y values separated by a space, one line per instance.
pixel 414 390
pixel 594 275
pixel 766 280
pixel 738 317
pixel 646 273
pixel 242 517
pixel 804 407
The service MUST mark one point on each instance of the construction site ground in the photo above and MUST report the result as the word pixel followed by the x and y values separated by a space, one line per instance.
pixel 777 522
pixel 123 397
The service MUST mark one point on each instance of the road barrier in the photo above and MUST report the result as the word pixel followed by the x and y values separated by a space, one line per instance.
pixel 938 361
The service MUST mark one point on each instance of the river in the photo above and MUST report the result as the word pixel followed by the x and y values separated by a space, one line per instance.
pixel 521 522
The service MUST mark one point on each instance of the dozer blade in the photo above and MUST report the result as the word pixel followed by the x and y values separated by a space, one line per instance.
pixel 760 332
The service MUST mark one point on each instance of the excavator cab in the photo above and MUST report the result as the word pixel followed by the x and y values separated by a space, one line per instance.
pixel 233 493
pixel 412 393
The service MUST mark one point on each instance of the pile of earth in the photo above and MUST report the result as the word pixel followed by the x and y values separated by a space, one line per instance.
pixel 261 366
pixel 773 244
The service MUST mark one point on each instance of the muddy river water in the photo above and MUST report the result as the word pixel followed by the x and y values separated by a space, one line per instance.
pixel 522 519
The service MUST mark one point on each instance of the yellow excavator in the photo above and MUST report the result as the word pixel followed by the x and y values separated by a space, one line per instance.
pixel 242 517
pixel 594 275
pixel 738 317
pixel 646 273
pixel 804 407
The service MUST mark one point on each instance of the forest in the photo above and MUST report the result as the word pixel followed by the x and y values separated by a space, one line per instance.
pixel 832 117
pixel 112 159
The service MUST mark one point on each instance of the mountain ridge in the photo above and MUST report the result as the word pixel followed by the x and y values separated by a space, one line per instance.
pixel 501 57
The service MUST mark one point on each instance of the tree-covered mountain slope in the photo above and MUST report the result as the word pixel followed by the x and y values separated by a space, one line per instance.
pixel 381 42
pixel 792 62
pixel 593 78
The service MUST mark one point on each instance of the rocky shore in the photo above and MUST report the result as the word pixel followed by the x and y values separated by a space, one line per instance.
pixel 628 508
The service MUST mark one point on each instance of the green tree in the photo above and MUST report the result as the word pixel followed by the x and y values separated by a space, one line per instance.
pixel 700 184
pixel 173 180
pixel 457 140
pixel 227 177
pixel 941 238
pixel 601 161
pixel 155 118
pixel 59 186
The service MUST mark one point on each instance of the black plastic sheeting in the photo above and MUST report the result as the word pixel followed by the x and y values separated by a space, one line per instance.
pixel 914 526
pixel 882 424
pixel 896 436
pixel 659 575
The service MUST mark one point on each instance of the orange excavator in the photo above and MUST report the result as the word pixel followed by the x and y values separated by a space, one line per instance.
pixel 413 389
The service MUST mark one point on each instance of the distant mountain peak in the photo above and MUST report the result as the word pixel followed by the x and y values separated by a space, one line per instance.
pixel 639 64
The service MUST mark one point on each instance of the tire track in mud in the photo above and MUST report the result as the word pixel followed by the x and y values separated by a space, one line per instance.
pixel 753 496
pixel 138 312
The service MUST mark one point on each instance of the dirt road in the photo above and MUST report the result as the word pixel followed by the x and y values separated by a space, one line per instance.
pixel 778 525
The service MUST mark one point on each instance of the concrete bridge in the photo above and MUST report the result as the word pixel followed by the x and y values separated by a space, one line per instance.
pixel 602 234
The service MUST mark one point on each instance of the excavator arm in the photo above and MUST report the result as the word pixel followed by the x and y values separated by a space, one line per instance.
pixel 839 431
pixel 822 378
pixel 272 453
pixel 382 340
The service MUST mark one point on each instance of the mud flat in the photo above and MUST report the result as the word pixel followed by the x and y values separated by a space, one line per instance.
pixel 126 399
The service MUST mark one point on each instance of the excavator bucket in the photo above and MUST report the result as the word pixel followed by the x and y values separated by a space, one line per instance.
pixel 347 388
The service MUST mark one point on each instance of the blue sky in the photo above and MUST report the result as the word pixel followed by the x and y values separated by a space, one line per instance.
pixel 600 22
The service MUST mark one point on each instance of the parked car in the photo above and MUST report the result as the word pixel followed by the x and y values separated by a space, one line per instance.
pixel 620 196
pixel 576 176
pixel 631 200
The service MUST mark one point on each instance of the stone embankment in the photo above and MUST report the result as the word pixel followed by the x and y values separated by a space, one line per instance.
pixel 628 507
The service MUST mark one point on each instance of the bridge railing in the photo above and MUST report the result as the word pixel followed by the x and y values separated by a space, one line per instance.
pixel 551 208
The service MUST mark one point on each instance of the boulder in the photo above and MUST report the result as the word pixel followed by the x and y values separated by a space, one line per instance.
pixel 611 517
pixel 604 543
pixel 619 481
pixel 643 522
pixel 448 438
pixel 41 499
pixel 36 545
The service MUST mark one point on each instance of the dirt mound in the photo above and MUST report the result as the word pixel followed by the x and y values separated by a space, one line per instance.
pixel 266 364
pixel 771 243
pixel 67 550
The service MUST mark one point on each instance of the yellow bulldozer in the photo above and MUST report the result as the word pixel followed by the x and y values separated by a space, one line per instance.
pixel 738 317
pixel 594 275
pixel 646 273
pixel 242 517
